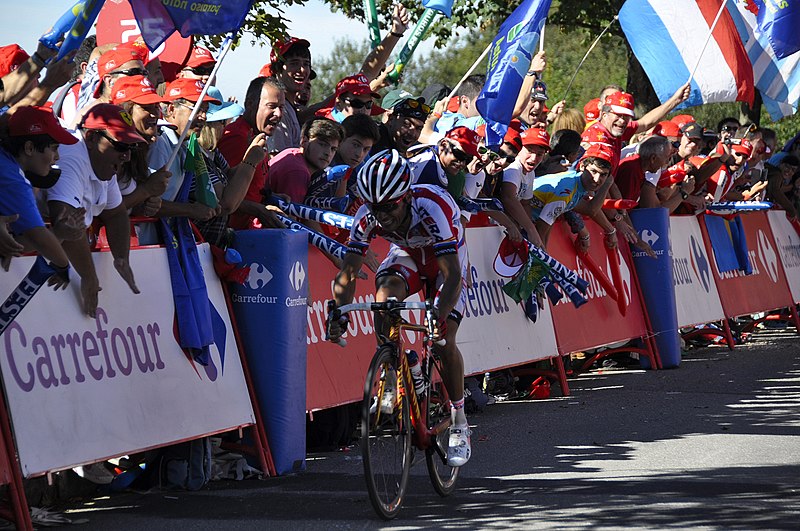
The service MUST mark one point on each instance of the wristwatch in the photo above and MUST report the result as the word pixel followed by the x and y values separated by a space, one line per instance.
pixel 532 73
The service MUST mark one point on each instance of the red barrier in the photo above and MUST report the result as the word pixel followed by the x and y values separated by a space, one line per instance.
pixel 10 474
pixel 575 327
pixel 767 288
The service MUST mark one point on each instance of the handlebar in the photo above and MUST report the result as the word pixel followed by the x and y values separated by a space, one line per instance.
pixel 390 305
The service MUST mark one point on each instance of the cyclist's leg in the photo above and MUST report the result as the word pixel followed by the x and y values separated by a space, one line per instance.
pixel 397 276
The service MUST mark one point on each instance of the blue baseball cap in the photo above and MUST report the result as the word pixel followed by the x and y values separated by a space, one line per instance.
pixel 225 110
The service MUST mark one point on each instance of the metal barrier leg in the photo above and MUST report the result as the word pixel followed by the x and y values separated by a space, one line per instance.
pixel 16 492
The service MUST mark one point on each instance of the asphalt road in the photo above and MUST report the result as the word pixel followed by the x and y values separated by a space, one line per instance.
pixel 714 444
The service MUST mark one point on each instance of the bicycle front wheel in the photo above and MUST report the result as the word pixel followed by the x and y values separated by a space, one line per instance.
pixel 386 433
pixel 442 475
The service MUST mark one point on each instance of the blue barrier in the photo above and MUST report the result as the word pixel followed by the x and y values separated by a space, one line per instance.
pixel 655 279
pixel 271 309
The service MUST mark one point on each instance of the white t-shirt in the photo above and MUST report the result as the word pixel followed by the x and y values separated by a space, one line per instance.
pixel 473 184
pixel 78 185
pixel 515 175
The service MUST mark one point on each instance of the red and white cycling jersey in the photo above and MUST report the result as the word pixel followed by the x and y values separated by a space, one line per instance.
pixel 435 227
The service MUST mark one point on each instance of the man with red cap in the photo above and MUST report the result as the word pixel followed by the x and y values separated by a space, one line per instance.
pixel 443 163
pixel 582 191
pixel 353 96
pixel 88 184
pixel 290 62
pixel 721 183
pixel 199 65
pixel 26 159
pixel 121 60
pixel 486 171
pixel 516 188
pixel 181 95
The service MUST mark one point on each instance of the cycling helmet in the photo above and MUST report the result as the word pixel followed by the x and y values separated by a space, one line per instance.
pixel 384 177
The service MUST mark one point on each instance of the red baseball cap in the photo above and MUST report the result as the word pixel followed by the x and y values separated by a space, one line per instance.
pixel 11 57
pixel 137 89
pixel 620 103
pixel 591 110
pixel 114 120
pixel 186 89
pixel 34 120
pixel 141 50
pixel 692 130
pixel 600 151
pixel 745 147
pixel 114 59
pixel 357 85
pixel 683 119
pixel 535 136
pixel 467 138
pixel 281 48
pixel 200 56
pixel 667 129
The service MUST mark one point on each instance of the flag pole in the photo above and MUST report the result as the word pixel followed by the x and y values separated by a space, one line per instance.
pixel 569 86
pixel 226 45
pixel 708 39
pixel 469 72
pixel 541 37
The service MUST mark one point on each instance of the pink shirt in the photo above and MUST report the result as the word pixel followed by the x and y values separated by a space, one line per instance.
pixel 288 174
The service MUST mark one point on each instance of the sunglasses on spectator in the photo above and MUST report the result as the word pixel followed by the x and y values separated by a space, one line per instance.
pixel 413 108
pixel 729 128
pixel 676 144
pixel 189 105
pixel 461 156
pixel 494 156
pixel 385 208
pixel 120 147
pixel 358 104
pixel 201 70
pixel 131 72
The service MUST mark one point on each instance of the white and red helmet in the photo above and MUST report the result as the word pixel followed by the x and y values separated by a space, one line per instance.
pixel 384 177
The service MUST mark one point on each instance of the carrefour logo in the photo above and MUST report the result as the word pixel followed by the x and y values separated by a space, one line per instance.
pixel 297 276
pixel 649 236
pixel 259 276
pixel 700 264
pixel 768 257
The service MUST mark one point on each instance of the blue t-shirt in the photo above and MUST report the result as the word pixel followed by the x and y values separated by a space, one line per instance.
pixel 555 194
pixel 449 120
pixel 16 196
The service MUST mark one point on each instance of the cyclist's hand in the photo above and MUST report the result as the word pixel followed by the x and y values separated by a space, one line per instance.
pixel 440 331
pixel 336 327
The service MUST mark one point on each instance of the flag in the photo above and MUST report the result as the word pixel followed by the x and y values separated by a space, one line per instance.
pixel 78 20
pixel 729 244
pixel 780 21
pixel 158 19
pixel 443 6
pixel 509 58
pixel 667 37
pixel 195 163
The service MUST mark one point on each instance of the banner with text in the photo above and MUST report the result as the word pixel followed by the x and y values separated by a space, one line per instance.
pixel 788 242
pixel 84 389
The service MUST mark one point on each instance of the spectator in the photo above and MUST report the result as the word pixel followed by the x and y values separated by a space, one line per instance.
pixel 181 96
pixel 565 147
pixel 291 170
pixel 781 184
pixel 353 96
pixel 66 103
pixel 230 184
pixel 443 162
pixel 488 174
pixel 26 158
pixel 263 104
pixel 406 119
pixel 517 185
pixel 290 62
pixel 199 66
pixel 727 127
pixel 360 134
pixel 466 114
pixel 19 73
pixel 639 174
pixel 722 182
pixel 88 181
pixel 140 189
pixel 121 60
pixel 570 119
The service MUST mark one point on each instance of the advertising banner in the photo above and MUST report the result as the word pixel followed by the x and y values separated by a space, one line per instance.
pixel 788 243
pixel 83 389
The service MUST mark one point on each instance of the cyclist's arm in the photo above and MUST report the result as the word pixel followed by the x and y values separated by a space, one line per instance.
pixel 451 290
pixel 344 286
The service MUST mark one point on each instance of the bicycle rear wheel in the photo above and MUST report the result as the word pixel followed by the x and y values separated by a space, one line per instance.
pixel 386 433
pixel 442 476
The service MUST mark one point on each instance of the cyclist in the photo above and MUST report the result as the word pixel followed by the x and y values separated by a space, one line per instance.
pixel 423 224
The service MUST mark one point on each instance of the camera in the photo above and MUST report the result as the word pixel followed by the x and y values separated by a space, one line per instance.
pixel 732 141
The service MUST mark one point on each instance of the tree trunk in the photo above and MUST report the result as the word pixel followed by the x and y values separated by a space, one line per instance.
pixel 751 115
pixel 639 85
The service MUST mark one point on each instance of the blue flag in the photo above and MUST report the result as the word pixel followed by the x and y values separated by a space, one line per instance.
pixel 158 19
pixel 509 59
pixel 729 244
pixel 75 23
pixel 443 6
pixel 780 22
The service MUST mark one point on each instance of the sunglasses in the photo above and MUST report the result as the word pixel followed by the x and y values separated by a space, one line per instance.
pixel 358 104
pixel 676 144
pixel 461 156
pixel 201 70
pixel 494 156
pixel 385 208
pixel 131 72
pixel 189 105
pixel 120 147
pixel 729 128
pixel 413 108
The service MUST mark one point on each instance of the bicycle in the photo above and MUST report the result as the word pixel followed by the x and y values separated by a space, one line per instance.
pixel 393 416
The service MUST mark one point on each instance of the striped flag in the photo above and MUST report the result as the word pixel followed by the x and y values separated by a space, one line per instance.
pixel 195 163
